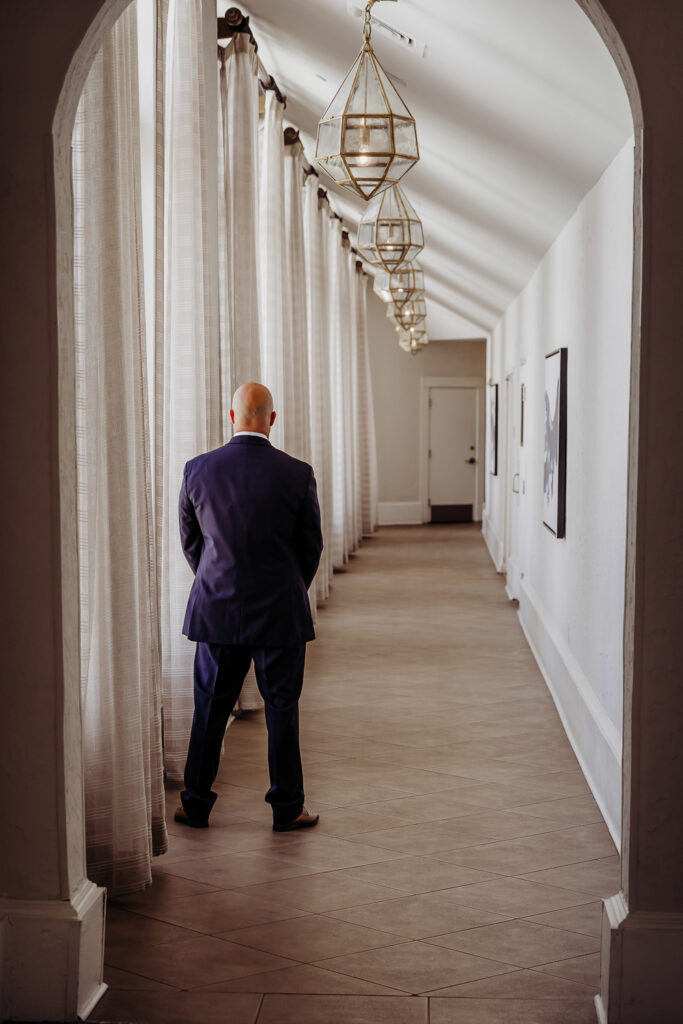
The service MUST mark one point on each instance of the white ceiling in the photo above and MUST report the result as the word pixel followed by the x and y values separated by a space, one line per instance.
pixel 519 110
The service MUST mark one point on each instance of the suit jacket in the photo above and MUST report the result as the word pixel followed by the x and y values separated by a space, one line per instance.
pixel 250 530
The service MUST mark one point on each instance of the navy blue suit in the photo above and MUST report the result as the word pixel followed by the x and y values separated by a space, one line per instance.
pixel 250 530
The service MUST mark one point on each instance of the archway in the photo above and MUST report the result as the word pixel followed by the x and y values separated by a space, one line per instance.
pixel 60 306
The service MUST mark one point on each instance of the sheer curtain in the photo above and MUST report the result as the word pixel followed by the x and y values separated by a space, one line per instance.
pixel 124 796
pixel 238 177
pixel 335 331
pixel 365 415
pixel 318 368
pixel 272 256
pixel 294 403
pixel 188 377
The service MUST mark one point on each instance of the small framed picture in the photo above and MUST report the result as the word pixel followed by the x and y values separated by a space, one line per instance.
pixel 493 429
pixel 555 455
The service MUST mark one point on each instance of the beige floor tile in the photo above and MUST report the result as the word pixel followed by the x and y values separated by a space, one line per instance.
pixel 414 966
pixel 601 877
pixel 314 851
pixel 536 852
pixel 306 978
pixel 416 917
pixel 320 893
pixel 194 962
pixel 177 1008
pixel 584 969
pixel 523 984
pixel 520 943
pixel 344 822
pixel 436 837
pixel 516 897
pixel 508 1011
pixel 568 810
pixel 165 888
pixel 309 938
pixel 124 927
pixel 510 823
pixel 586 919
pixel 423 808
pixel 342 1010
pixel 124 981
pixel 219 911
pixel 419 874
pixel 235 870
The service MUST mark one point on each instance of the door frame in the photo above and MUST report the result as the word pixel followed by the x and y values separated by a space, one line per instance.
pixel 475 383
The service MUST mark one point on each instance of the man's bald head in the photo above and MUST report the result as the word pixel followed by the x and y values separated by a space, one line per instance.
pixel 252 408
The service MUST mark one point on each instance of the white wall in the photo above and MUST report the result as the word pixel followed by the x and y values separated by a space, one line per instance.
pixel 396 394
pixel 571 591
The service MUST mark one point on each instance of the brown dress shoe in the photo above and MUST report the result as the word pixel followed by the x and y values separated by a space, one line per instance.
pixel 305 820
pixel 181 816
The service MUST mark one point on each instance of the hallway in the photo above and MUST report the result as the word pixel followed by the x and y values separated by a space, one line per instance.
pixel 460 858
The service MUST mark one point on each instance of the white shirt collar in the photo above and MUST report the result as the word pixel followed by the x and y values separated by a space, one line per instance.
pixel 250 433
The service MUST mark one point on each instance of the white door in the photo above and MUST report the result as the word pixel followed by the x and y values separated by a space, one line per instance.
pixel 453 456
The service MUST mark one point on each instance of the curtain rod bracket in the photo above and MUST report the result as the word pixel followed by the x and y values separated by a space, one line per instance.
pixel 271 84
pixel 234 22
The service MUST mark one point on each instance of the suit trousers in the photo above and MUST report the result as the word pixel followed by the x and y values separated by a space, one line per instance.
pixel 219 672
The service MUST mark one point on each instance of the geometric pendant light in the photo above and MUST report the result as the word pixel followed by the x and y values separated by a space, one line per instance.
pixel 404 284
pixel 410 314
pixel 367 138
pixel 413 341
pixel 390 232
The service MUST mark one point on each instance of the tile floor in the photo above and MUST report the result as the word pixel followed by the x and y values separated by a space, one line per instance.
pixel 457 871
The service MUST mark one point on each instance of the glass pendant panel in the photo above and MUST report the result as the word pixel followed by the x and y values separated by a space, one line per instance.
pixel 405 138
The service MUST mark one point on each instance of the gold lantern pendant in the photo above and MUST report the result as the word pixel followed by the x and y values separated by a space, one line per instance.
pixel 401 286
pixel 412 341
pixel 390 232
pixel 410 314
pixel 367 138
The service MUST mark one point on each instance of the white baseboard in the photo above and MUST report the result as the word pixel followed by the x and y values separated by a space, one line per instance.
pixel 399 513
pixel 593 736
pixel 493 541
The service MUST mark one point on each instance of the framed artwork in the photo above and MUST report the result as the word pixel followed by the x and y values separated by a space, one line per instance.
pixel 555 455
pixel 493 429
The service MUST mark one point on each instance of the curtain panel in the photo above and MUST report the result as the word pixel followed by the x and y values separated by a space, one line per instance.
pixel 238 184
pixel 119 639
pixel 272 256
pixel 188 374
pixel 317 285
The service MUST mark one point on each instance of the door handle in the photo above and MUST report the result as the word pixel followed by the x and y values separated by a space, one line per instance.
pixel 515 490
pixel 470 461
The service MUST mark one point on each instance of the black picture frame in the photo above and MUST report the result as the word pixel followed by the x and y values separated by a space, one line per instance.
pixel 493 429
pixel 555 443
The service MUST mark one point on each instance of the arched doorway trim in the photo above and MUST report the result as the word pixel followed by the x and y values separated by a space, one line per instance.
pixel 109 11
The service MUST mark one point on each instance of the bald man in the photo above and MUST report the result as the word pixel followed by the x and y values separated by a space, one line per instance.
pixel 250 530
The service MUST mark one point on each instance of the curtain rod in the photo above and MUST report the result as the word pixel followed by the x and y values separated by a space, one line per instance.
pixel 234 22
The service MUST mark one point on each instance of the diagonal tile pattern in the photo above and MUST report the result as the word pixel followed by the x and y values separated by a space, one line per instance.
pixel 457 871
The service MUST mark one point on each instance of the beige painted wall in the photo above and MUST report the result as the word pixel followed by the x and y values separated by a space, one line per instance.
pixel 396 392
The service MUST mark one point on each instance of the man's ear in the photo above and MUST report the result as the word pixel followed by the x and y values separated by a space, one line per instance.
pixel 232 415
pixel 272 417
